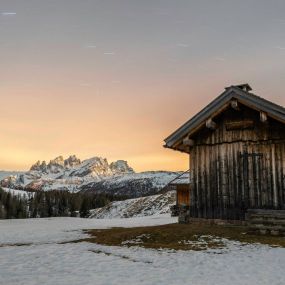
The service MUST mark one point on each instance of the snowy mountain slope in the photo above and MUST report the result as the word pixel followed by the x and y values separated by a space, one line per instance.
pixel 139 207
pixel 65 174
pixel 92 175
pixel 4 173
pixel 132 185
pixel 21 193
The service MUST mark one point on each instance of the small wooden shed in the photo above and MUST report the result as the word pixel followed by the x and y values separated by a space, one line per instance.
pixel 181 185
pixel 236 148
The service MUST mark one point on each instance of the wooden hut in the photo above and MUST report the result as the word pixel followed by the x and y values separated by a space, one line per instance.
pixel 236 146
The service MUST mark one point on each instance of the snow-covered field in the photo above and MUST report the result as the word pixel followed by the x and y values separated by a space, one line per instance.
pixel 46 261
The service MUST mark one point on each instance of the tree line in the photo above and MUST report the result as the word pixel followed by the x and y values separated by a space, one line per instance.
pixel 43 204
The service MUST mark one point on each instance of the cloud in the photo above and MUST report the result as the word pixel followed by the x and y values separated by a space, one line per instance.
pixel 8 13
pixel 85 84
pixel 171 59
pixel 279 47
pixel 161 12
pixel 91 46
pixel 218 58
pixel 109 53
pixel 182 45
pixel 280 21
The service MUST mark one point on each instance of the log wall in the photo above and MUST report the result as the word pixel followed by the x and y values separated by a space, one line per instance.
pixel 266 221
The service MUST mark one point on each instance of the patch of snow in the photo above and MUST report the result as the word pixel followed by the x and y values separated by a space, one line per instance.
pixel 22 193
pixel 50 230
pixel 139 207
pixel 49 262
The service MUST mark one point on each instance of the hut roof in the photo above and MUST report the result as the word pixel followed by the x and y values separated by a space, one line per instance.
pixel 238 92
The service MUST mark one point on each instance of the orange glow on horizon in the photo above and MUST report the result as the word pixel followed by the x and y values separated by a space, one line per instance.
pixel 115 78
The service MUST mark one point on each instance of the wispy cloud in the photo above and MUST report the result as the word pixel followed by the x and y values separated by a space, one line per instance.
pixel 280 21
pixel 279 47
pixel 182 45
pixel 161 12
pixel 171 59
pixel 109 53
pixel 91 46
pixel 8 13
pixel 219 58
pixel 85 84
pixel 116 82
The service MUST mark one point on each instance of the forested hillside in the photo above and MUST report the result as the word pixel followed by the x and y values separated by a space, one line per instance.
pixel 42 204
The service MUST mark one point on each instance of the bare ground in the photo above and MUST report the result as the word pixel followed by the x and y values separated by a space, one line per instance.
pixel 196 236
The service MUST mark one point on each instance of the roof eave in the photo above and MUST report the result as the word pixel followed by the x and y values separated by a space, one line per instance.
pixel 218 105
pixel 198 118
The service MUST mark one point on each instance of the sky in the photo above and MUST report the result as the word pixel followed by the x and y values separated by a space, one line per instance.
pixel 114 78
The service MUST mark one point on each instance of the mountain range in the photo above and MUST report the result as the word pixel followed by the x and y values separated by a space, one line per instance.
pixel 91 175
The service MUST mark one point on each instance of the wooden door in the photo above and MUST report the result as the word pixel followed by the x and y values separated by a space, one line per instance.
pixel 251 175
pixel 183 194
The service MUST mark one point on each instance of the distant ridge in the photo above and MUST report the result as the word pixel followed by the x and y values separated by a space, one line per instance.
pixel 95 174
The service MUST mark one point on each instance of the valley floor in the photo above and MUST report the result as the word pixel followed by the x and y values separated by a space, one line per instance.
pixel 40 251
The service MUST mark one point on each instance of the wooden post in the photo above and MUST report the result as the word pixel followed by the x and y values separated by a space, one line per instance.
pixel 263 117
pixel 210 124
pixel 188 142
pixel 235 105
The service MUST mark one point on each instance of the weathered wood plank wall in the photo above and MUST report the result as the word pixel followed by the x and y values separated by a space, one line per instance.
pixel 234 169
pixel 183 197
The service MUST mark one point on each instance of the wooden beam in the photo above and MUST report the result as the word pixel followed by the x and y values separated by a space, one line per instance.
pixel 239 125
pixel 210 124
pixel 188 142
pixel 235 105
pixel 263 117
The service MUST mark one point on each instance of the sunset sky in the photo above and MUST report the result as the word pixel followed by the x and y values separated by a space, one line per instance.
pixel 113 78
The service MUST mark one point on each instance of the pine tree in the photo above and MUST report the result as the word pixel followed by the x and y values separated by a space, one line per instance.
pixel 84 209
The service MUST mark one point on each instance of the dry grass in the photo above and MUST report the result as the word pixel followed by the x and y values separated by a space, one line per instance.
pixel 196 236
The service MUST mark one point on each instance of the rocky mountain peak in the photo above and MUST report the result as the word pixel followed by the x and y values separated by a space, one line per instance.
pixel 121 167
pixel 36 166
pixel 74 167
pixel 58 161
pixel 39 166
pixel 95 166
pixel 72 161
